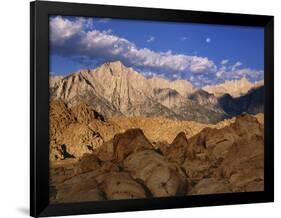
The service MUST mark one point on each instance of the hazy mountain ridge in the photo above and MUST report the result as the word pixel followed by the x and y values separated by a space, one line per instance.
pixel 235 88
pixel 116 90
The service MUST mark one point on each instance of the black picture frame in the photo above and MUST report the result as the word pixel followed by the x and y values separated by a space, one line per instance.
pixel 39 107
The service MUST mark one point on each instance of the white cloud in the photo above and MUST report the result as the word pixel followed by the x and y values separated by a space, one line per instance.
pixel 95 44
pixel 77 39
pixel 219 73
pixel 88 22
pixel 63 29
pixel 226 73
pixel 200 64
pixel 150 39
pixel 232 73
pixel 248 73
pixel 236 65
pixel 208 40
pixel 225 61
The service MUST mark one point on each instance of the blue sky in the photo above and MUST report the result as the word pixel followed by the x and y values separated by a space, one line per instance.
pixel 203 54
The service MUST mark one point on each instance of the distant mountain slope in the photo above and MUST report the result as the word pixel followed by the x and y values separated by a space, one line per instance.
pixel 188 109
pixel 206 99
pixel 252 102
pixel 183 87
pixel 235 88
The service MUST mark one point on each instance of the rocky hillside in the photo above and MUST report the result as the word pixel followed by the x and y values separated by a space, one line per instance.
pixel 79 129
pixel 96 159
pixel 76 130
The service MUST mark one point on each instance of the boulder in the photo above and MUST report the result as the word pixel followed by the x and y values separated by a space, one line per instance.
pixel 88 162
pixel 243 166
pixel 106 152
pixel 131 141
pixel 80 188
pixel 120 185
pixel 160 177
pixel 247 125
pixel 228 151
pixel 175 152
pixel 210 186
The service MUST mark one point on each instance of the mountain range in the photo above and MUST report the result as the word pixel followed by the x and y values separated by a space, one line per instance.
pixel 115 90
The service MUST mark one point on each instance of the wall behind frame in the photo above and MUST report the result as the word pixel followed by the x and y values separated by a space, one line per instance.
pixel 14 109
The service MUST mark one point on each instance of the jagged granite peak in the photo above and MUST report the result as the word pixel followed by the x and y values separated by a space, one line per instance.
pixel 235 88
pixel 113 85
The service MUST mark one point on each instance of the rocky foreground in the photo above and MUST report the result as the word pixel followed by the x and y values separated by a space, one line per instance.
pixel 93 159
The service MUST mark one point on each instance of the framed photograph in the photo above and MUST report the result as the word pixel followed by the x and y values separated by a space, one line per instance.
pixel 142 109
